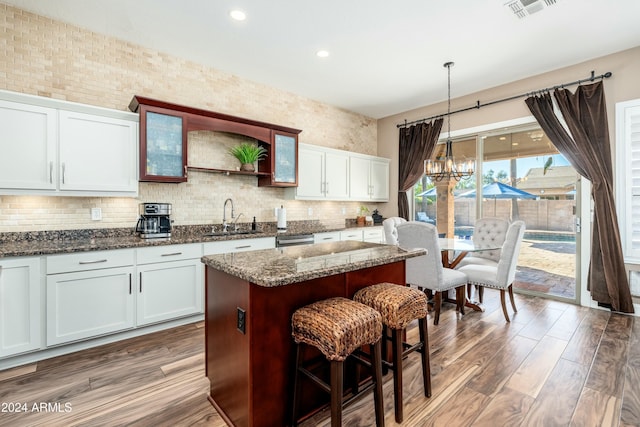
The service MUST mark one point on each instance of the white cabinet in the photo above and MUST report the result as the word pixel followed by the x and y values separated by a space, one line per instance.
pixel 240 245
pixel 97 153
pixel 327 236
pixel 89 294
pixel 170 283
pixel 323 174
pixel 368 178
pixel 53 147
pixel 20 313
pixel 373 235
pixel 363 234
pixel 329 174
pixel 29 141
pixel 351 234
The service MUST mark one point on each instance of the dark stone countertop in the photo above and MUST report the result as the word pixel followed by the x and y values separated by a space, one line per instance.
pixel 70 241
pixel 284 266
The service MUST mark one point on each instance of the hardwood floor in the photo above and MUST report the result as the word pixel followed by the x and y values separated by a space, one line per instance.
pixel 554 365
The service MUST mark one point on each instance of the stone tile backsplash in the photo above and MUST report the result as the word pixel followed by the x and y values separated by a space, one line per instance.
pixel 41 56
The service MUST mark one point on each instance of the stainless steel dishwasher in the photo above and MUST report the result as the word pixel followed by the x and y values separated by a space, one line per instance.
pixel 293 240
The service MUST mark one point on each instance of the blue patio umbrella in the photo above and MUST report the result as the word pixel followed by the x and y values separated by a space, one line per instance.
pixel 498 190
pixel 428 193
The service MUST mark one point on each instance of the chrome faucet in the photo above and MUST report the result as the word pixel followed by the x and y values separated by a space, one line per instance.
pixel 234 223
pixel 224 215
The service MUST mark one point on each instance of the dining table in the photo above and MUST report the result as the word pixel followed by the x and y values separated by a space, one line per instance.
pixel 453 251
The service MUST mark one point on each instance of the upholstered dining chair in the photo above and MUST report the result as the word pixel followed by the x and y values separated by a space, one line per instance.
pixel 389 226
pixel 503 274
pixel 487 232
pixel 426 271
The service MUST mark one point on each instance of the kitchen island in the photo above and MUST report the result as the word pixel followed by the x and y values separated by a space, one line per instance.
pixel 250 298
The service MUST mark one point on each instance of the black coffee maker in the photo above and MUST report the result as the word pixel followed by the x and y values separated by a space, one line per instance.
pixel 154 221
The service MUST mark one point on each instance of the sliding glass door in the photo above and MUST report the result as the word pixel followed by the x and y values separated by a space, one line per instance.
pixel 519 175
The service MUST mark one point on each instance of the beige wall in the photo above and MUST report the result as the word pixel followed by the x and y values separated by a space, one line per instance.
pixel 622 86
pixel 43 57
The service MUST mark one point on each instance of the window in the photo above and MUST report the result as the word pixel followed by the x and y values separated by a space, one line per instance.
pixel 628 180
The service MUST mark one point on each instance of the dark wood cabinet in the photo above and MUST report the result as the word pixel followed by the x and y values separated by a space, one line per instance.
pixel 161 123
pixel 163 147
pixel 281 165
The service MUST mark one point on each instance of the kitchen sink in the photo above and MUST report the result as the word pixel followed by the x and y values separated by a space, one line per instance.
pixel 231 233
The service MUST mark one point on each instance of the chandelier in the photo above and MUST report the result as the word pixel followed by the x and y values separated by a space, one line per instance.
pixel 448 168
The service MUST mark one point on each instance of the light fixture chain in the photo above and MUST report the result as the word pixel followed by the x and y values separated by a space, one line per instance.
pixel 448 65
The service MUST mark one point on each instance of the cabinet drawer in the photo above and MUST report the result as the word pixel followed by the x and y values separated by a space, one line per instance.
pixel 168 253
pixel 351 235
pixel 373 235
pixel 241 245
pixel 329 236
pixel 83 261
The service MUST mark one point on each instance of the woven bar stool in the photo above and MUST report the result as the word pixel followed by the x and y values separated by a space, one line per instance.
pixel 399 305
pixel 338 327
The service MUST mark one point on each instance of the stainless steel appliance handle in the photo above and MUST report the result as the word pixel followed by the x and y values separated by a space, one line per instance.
pixel 294 241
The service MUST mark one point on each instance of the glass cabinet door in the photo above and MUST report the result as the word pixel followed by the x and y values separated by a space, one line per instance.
pixel 285 148
pixel 163 148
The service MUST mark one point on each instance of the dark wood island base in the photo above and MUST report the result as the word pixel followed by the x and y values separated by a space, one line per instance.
pixel 249 350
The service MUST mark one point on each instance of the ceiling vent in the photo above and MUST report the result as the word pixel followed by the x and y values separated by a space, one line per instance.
pixel 524 8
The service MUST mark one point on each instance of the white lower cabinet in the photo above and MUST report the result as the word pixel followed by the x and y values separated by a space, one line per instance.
pixel 20 321
pixel 240 245
pixel 327 236
pixel 373 235
pixel 89 303
pixel 364 234
pixel 170 283
pixel 89 294
pixel 351 234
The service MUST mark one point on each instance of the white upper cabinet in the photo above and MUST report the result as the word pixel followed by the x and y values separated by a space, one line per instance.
pixel 329 174
pixel 53 147
pixel 323 174
pixel 97 153
pixel 369 178
pixel 29 139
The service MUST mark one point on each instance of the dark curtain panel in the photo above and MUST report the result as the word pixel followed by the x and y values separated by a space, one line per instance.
pixel 588 150
pixel 416 144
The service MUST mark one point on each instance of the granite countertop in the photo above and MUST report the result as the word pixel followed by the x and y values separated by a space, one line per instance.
pixel 284 266
pixel 70 241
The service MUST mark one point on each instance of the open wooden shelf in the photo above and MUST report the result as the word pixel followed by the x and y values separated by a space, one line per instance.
pixel 226 171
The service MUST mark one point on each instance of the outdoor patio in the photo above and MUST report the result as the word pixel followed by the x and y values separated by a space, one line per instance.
pixel 548 267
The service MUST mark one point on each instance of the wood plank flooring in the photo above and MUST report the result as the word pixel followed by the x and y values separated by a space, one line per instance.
pixel 555 364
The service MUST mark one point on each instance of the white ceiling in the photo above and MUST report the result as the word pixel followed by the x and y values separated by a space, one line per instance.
pixel 386 57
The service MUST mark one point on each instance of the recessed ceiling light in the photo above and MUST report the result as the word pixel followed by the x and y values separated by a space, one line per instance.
pixel 238 15
pixel 322 53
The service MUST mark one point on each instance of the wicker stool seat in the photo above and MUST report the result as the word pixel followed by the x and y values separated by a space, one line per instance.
pixel 398 306
pixel 338 327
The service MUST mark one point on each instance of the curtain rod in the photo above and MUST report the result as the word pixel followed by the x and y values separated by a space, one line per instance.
pixel 478 104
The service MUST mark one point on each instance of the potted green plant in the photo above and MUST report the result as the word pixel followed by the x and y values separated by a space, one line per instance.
pixel 247 154
pixel 362 215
